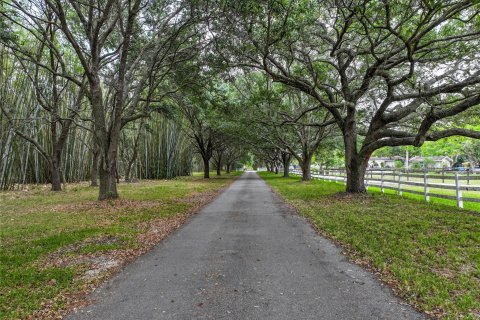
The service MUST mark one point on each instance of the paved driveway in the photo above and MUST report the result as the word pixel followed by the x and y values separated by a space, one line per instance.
pixel 245 256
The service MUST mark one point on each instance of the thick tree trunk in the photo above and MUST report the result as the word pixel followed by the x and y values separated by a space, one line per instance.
pixel 206 168
pixel 55 175
pixel 356 167
pixel 107 142
pixel 228 167
pixel 286 158
pixel 108 177
pixel 355 163
pixel 306 169
pixel 108 181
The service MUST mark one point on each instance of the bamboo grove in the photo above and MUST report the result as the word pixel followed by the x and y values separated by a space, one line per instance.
pixel 117 90
pixel 154 148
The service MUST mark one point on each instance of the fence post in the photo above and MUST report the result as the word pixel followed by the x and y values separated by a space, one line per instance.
pixel 459 191
pixel 366 180
pixel 400 184
pixel 426 189
pixel 382 183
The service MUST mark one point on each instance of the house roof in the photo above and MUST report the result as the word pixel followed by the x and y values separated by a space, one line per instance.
pixel 386 158
pixel 434 158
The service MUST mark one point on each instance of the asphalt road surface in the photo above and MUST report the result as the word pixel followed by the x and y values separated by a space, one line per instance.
pixel 245 256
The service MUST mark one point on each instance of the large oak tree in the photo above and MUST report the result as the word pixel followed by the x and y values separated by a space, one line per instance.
pixel 390 73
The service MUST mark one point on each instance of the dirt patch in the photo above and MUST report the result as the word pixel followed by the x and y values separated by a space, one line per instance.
pixel 445 273
pixel 70 255
pixel 99 265
pixel 199 198
pixel 159 229
pixel 108 206
pixel 475 313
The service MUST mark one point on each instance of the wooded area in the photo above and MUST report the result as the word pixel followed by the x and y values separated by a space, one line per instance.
pixel 133 89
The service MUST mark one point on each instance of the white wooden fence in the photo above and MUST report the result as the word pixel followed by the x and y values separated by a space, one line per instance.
pixel 400 181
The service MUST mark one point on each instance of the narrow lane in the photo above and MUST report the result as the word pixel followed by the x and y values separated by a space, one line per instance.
pixel 245 256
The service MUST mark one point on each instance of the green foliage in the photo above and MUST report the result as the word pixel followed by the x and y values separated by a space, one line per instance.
pixel 458 148
pixel 399 164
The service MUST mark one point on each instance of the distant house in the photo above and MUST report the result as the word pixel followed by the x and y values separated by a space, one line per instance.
pixel 431 162
pixel 384 162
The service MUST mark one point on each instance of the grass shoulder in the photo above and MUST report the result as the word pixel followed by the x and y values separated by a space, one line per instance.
pixel 428 253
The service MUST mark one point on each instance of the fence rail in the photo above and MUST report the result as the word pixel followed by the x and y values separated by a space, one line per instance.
pixel 400 181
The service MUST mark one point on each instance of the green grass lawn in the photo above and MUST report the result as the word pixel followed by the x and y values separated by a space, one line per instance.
pixel 49 240
pixel 428 252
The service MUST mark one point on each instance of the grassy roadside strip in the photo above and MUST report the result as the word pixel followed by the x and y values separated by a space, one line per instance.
pixel 475 206
pixel 428 253
pixel 55 248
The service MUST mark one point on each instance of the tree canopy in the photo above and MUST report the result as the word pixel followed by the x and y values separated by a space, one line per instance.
pixel 142 89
